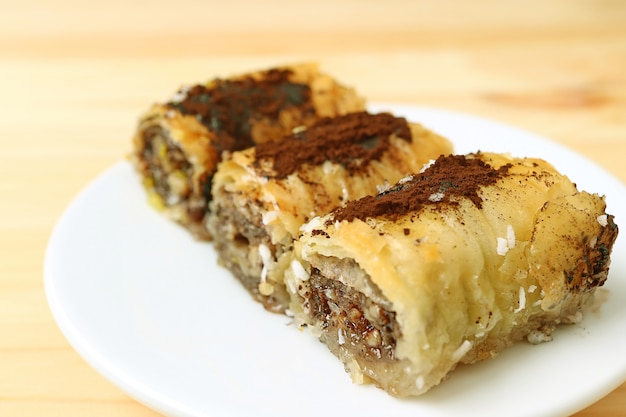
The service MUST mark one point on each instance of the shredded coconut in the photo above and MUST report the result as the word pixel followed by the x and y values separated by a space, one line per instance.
pixel 436 197
pixel 172 199
pixel 299 271
pixel 461 351
pixel 298 129
pixel 291 285
pixel 419 382
pixel 328 167
pixel 502 247
pixel 522 300
pixel 532 289
pixel 269 217
pixel 266 257
pixel 248 178
pixel 311 225
pixel 344 192
pixel 504 244
pixel 341 339
pixel 427 165
pixel 405 179
pixel 510 236
pixel 381 188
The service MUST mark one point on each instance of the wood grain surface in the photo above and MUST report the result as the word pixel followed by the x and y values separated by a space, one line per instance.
pixel 75 76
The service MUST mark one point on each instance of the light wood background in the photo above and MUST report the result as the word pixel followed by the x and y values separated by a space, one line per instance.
pixel 75 75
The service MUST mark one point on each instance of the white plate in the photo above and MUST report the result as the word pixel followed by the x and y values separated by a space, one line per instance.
pixel 148 307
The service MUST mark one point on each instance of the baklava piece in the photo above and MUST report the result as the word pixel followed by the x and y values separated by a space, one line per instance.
pixel 450 265
pixel 262 195
pixel 178 144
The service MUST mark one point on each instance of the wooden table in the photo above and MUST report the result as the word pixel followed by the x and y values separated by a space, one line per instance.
pixel 74 77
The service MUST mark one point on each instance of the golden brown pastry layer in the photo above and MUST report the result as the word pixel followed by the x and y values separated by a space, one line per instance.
pixel 449 266
pixel 262 195
pixel 178 144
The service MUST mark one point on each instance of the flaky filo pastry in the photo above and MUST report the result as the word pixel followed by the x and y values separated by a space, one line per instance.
pixel 178 144
pixel 449 266
pixel 262 195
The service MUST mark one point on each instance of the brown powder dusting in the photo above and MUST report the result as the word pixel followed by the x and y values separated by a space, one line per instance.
pixel 450 178
pixel 230 107
pixel 352 140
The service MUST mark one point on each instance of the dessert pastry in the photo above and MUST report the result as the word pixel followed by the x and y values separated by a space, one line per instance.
pixel 262 195
pixel 178 144
pixel 449 266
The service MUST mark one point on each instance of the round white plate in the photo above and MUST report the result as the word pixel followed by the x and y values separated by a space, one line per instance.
pixel 148 307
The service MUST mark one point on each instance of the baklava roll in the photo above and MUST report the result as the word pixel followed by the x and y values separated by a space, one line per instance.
pixel 262 195
pixel 450 265
pixel 178 144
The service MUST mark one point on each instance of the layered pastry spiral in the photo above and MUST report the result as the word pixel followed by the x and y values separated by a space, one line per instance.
pixel 262 195
pixel 178 144
pixel 450 265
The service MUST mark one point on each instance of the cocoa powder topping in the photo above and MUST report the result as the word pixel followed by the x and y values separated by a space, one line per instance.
pixel 447 180
pixel 352 140
pixel 230 107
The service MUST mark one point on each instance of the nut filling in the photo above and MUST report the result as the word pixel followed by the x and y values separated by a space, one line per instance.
pixel 241 234
pixel 170 174
pixel 364 330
